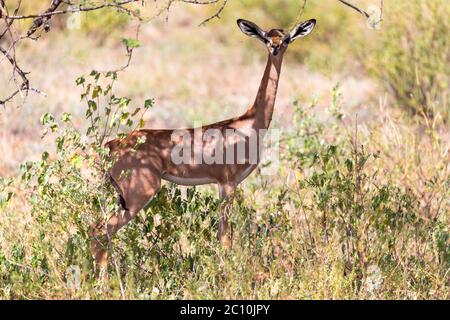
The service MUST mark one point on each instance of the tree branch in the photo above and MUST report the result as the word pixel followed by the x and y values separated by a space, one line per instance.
pixel 215 15
pixel 39 20
pixel 42 21
pixel 355 8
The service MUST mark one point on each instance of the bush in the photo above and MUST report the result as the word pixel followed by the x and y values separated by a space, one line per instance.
pixel 371 221
pixel 331 225
pixel 68 189
pixel 412 56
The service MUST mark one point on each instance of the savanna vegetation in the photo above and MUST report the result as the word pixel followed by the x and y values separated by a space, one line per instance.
pixel 359 206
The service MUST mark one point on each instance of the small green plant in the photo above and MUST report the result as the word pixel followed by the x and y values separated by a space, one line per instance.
pixel 68 187
pixel 412 56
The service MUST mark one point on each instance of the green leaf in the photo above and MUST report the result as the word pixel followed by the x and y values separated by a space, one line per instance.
pixel 54 127
pixel 148 103
pixel 59 143
pixel 80 81
pixel 124 117
pixel 124 102
pixel 131 43
pixel 95 93
pixel 349 165
pixel 66 117
pixel 108 89
pixel 136 112
pixel 114 100
pixel 76 161
pixel 95 74
pixel 92 105
pixel 47 118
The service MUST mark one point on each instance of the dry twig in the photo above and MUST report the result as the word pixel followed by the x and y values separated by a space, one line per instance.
pixel 10 37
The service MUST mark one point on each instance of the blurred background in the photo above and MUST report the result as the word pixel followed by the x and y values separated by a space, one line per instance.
pixel 208 73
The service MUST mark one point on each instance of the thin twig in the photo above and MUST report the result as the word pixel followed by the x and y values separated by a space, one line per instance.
pixel 364 13
pixel 41 21
pixel 215 15
pixel 48 13
pixel 355 8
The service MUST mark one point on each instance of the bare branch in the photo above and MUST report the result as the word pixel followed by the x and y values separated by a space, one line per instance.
pixel 49 13
pixel 355 8
pixel 365 14
pixel 166 8
pixel 215 15
pixel 24 86
pixel 41 21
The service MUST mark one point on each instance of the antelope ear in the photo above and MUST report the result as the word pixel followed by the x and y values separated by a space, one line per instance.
pixel 251 29
pixel 302 29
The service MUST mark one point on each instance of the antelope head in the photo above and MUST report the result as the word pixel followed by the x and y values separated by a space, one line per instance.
pixel 276 40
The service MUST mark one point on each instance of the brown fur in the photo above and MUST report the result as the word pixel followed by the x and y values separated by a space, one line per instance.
pixel 137 174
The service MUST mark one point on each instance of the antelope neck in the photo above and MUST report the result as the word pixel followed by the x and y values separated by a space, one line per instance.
pixel 263 106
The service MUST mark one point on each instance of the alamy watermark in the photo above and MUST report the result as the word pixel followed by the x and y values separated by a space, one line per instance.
pixel 73 277
pixel 216 146
pixel 74 20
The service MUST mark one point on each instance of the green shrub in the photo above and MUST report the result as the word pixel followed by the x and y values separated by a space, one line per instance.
pixel 371 219
pixel 412 56
pixel 99 23
pixel 69 188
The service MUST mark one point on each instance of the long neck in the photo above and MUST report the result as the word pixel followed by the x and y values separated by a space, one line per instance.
pixel 267 92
